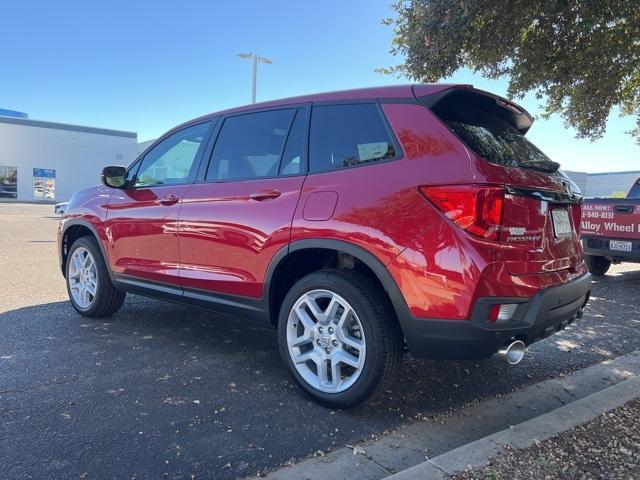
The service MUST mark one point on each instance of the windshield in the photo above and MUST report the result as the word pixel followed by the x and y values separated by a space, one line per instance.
pixel 635 191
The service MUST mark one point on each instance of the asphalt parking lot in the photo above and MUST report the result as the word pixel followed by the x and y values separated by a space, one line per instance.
pixel 163 390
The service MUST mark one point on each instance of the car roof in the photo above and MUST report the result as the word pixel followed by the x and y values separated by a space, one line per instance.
pixel 391 91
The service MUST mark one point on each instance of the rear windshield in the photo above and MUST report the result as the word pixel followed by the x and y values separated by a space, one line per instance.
pixel 491 136
pixel 635 191
pixel 495 140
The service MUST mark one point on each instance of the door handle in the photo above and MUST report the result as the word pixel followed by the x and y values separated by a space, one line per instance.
pixel 623 208
pixel 170 199
pixel 265 195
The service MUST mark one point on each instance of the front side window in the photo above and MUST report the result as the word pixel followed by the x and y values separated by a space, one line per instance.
pixel 250 145
pixel 291 163
pixel 172 161
pixel 347 135
pixel 634 193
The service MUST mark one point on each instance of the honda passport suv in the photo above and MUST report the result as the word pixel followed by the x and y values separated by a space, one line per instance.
pixel 358 223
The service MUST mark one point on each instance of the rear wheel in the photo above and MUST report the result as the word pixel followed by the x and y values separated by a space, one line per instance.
pixel 597 265
pixel 88 283
pixel 339 338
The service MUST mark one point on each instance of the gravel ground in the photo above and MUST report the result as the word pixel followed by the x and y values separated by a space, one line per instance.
pixel 607 447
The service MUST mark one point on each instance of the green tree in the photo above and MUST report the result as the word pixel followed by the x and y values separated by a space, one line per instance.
pixel 582 57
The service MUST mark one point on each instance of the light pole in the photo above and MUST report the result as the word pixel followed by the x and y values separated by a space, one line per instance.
pixel 255 58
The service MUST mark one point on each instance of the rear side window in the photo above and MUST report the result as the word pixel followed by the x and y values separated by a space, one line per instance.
pixel 250 145
pixel 346 135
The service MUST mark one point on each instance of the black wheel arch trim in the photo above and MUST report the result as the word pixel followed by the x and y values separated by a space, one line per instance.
pixel 74 222
pixel 369 259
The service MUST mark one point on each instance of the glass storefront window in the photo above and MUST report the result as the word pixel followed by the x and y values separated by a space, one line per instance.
pixel 8 182
pixel 44 184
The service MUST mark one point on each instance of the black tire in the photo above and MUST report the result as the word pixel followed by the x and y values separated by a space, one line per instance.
pixel 108 299
pixel 597 265
pixel 384 340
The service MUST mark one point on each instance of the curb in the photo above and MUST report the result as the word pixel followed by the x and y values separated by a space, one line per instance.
pixel 478 453
pixel 407 447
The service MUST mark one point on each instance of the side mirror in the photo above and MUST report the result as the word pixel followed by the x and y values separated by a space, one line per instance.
pixel 114 177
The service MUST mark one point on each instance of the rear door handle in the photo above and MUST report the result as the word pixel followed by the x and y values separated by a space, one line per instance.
pixel 265 195
pixel 170 199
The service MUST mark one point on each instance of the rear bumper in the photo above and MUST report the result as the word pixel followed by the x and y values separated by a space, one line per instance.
pixel 549 311
pixel 599 247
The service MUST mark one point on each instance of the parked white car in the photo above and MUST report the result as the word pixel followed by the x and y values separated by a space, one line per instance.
pixel 60 208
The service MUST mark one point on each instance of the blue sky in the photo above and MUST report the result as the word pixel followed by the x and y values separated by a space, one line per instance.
pixel 146 66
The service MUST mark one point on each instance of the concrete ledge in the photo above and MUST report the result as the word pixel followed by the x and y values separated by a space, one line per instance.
pixel 478 453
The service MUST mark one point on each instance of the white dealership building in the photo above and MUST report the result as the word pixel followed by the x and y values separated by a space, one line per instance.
pixel 48 161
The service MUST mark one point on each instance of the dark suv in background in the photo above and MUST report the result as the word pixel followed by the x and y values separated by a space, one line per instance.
pixel 356 223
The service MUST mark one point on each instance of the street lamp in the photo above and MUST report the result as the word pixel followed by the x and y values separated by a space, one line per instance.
pixel 255 58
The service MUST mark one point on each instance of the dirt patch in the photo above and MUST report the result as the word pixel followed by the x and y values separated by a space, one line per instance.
pixel 608 447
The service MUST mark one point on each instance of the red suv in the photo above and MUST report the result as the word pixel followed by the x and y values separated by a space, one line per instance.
pixel 357 223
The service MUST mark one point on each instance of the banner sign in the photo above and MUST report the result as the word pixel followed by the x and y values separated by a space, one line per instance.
pixel 44 173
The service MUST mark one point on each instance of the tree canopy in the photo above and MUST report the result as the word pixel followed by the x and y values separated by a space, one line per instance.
pixel 581 57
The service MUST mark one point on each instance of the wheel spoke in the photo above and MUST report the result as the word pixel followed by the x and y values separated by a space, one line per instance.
pixel 77 263
pixel 331 310
pixel 343 318
pixel 336 373
pixel 313 306
pixel 301 340
pixel 346 358
pixel 304 317
pixel 349 340
pixel 91 288
pixel 323 372
pixel 84 295
pixel 311 355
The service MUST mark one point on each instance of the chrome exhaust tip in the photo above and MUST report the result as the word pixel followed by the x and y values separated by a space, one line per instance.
pixel 514 352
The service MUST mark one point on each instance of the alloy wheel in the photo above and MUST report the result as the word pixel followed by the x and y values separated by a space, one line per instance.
pixel 325 340
pixel 83 277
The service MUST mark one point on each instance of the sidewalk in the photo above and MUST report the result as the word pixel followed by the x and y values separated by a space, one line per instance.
pixel 607 447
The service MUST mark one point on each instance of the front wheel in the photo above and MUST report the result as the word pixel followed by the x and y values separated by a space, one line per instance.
pixel 338 337
pixel 597 265
pixel 90 289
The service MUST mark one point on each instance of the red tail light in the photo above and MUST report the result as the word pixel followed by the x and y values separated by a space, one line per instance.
pixel 474 208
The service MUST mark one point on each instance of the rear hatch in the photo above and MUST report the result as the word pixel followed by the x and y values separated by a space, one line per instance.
pixel 539 228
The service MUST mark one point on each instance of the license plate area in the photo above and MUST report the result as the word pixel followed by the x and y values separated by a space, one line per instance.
pixel 620 246
pixel 561 222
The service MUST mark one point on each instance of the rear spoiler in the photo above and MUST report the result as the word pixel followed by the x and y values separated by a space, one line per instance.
pixel 467 95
